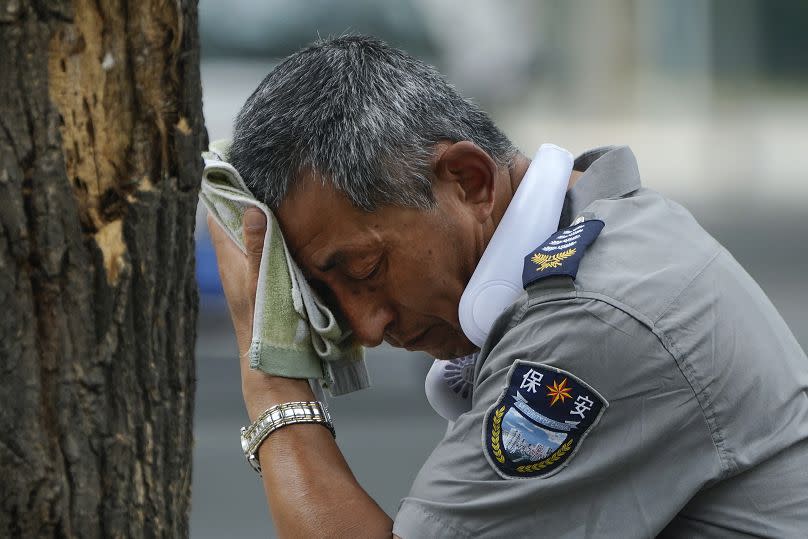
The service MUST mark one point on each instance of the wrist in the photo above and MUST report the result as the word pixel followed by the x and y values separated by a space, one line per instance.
pixel 275 417
pixel 262 391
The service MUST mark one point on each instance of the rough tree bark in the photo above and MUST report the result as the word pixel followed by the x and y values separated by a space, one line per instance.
pixel 100 133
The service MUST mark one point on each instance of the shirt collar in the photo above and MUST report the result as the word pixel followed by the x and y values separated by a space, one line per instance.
pixel 608 172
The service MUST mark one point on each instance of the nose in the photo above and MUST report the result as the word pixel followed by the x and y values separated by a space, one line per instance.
pixel 368 315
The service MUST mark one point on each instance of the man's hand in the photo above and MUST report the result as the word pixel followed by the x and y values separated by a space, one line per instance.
pixel 239 272
pixel 239 275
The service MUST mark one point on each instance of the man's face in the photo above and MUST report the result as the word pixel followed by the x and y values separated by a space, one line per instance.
pixel 395 274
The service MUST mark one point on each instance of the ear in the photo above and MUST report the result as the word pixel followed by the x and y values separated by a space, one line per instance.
pixel 467 172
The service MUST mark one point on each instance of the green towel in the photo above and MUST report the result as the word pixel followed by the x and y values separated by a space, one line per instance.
pixel 295 334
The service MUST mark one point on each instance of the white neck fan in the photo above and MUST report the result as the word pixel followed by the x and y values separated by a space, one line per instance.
pixel 532 216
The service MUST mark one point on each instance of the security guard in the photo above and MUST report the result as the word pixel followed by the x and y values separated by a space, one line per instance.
pixel 640 387
pixel 688 392
pixel 643 385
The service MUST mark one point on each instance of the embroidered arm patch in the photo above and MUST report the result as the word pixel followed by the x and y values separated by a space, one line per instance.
pixel 561 253
pixel 539 421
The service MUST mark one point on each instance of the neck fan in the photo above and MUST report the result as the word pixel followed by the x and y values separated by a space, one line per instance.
pixel 532 216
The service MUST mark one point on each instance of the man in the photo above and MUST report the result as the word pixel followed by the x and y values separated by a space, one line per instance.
pixel 643 385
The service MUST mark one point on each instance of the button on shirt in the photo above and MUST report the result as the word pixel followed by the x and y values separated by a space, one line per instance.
pixel 706 429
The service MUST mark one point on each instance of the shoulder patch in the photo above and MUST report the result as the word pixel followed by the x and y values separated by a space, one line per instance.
pixel 561 253
pixel 539 421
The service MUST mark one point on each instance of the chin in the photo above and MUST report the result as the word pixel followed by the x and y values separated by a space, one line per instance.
pixel 455 348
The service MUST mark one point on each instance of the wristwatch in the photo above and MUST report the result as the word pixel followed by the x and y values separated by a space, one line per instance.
pixel 279 416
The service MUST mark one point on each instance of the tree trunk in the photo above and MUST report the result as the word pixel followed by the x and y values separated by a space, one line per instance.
pixel 100 133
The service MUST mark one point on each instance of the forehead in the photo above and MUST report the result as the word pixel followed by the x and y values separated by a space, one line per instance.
pixel 316 218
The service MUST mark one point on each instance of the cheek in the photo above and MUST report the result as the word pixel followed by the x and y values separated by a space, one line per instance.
pixel 425 280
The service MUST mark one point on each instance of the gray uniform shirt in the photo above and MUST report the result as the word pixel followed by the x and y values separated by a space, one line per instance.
pixel 703 422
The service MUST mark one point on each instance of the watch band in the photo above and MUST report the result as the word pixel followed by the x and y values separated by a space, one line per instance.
pixel 280 415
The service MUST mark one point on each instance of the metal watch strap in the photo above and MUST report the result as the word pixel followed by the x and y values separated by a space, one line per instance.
pixel 280 415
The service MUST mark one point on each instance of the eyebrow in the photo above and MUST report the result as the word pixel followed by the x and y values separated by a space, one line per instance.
pixel 339 255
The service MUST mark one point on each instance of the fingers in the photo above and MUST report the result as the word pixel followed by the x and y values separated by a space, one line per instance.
pixel 255 227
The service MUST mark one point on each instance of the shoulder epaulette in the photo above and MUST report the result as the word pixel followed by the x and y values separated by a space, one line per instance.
pixel 561 253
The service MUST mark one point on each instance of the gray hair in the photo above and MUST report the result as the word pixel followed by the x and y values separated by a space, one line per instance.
pixel 360 114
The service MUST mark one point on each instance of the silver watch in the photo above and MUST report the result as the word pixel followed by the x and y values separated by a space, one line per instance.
pixel 279 416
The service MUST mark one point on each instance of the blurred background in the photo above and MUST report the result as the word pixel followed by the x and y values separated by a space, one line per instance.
pixel 712 96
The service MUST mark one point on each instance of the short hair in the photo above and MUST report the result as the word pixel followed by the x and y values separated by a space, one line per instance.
pixel 358 113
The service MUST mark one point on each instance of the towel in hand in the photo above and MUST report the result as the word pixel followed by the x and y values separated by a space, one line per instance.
pixel 294 334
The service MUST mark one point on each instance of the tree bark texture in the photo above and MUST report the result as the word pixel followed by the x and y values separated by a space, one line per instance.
pixel 100 132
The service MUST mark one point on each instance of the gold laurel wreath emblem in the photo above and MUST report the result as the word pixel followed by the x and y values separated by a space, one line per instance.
pixel 551 261
pixel 496 430
pixel 535 467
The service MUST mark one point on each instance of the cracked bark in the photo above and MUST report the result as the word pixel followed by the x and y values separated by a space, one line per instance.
pixel 100 133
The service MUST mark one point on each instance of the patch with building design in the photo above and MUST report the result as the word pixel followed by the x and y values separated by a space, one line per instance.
pixel 539 421
pixel 561 253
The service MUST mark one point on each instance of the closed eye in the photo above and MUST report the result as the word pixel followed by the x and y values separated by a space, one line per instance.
pixel 374 271
pixel 370 273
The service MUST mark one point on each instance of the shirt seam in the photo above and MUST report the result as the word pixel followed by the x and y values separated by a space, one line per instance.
pixel 667 306
pixel 727 462
pixel 414 503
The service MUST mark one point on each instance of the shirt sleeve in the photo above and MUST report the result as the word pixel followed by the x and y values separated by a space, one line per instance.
pixel 648 452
